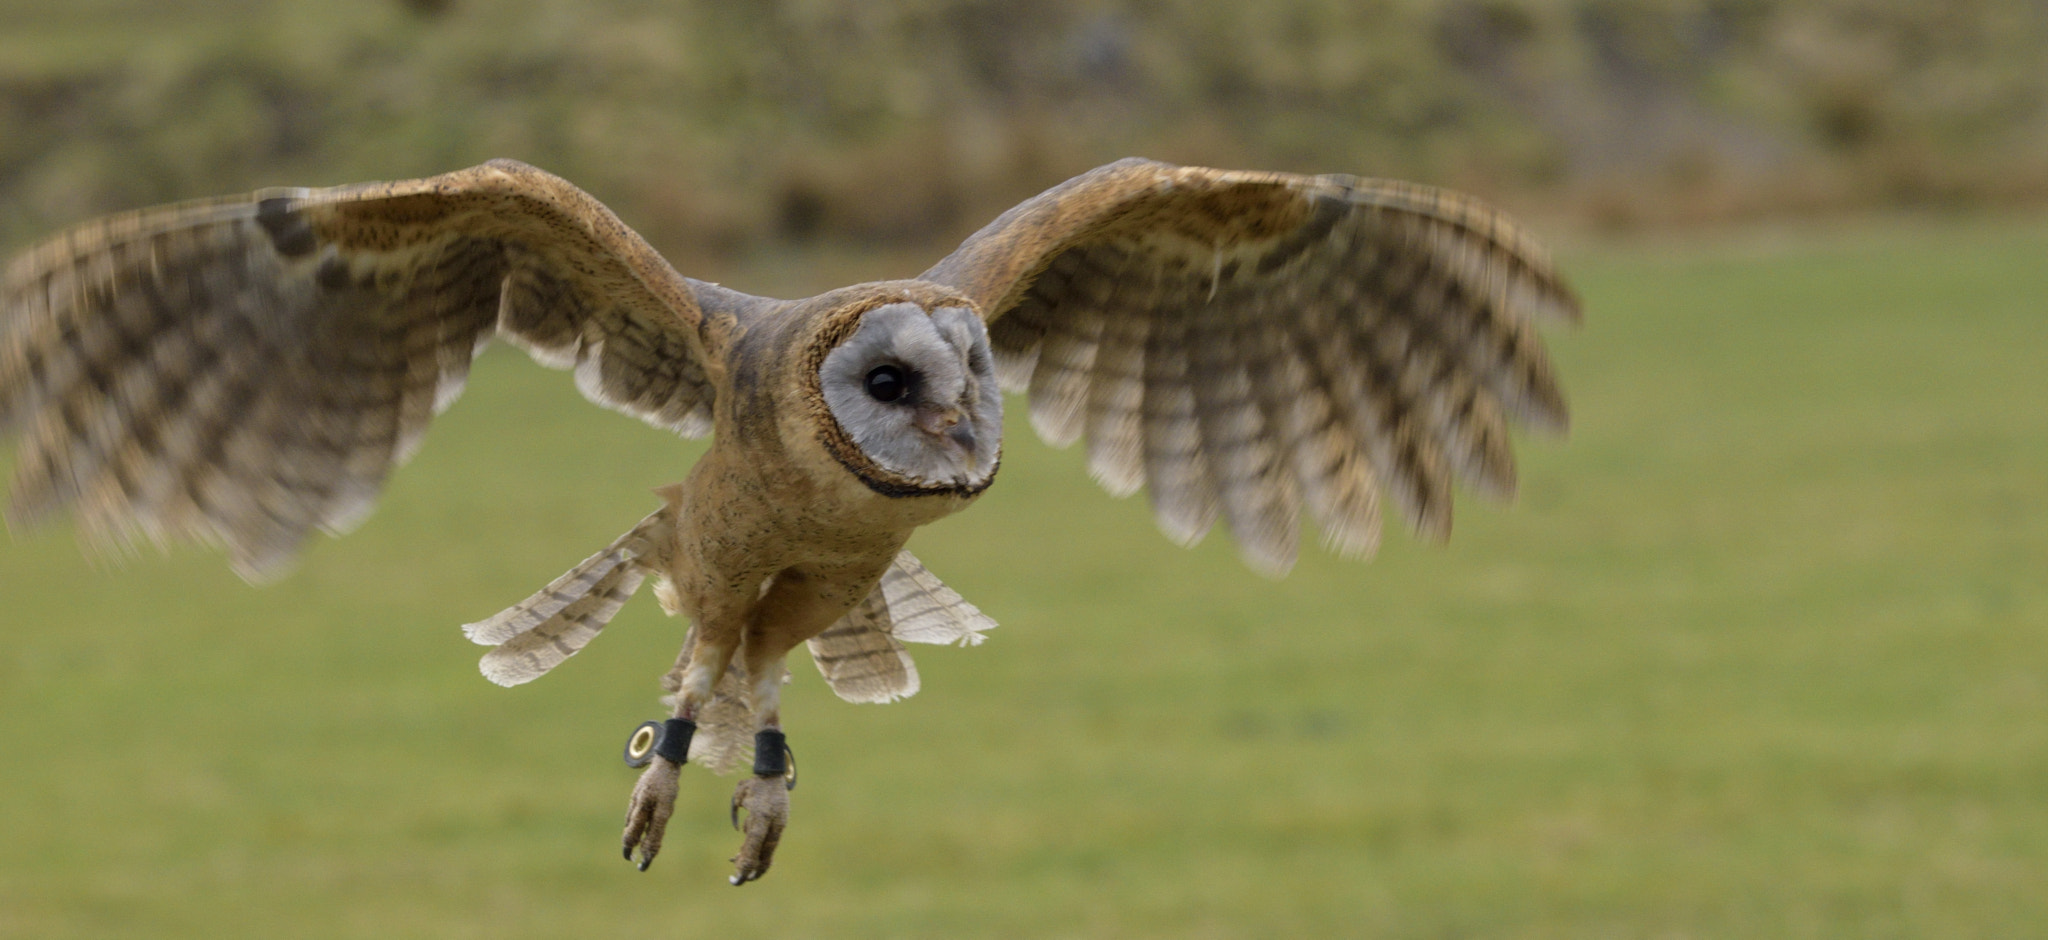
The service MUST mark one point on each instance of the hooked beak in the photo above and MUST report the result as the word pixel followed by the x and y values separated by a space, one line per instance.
pixel 946 422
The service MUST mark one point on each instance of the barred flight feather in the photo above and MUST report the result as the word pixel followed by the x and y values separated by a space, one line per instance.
pixel 1116 402
pixel 1176 467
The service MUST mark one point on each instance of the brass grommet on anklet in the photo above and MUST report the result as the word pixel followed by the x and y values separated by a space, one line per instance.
pixel 640 745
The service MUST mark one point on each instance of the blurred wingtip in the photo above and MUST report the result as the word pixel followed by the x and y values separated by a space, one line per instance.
pixel 499 674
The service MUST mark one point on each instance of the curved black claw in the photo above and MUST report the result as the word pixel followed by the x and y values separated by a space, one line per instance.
pixel 654 800
pixel 766 800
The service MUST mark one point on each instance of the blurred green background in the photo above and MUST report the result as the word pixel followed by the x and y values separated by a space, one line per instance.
pixel 1759 651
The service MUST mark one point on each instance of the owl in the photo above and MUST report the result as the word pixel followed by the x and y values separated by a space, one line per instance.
pixel 1249 348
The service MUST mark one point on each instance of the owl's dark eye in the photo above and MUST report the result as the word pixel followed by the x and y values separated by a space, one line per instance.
pixel 886 383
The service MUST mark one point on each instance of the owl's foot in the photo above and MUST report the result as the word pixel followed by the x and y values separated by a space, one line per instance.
pixel 766 800
pixel 654 799
pixel 765 797
pixel 662 749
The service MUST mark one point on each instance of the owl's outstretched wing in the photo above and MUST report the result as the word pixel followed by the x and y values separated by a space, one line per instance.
pixel 243 370
pixel 1245 345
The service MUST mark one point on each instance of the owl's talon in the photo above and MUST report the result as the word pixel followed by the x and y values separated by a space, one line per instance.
pixel 766 800
pixel 654 800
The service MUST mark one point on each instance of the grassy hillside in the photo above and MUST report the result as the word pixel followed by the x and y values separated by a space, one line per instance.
pixel 1758 653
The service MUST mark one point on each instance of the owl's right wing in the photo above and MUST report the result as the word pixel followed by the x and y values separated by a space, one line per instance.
pixel 1247 345
pixel 243 370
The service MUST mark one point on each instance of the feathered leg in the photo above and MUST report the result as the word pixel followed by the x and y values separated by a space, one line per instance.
pixel 765 794
pixel 796 604
pixel 701 663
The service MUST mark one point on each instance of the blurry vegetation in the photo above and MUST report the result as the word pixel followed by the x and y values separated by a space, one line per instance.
pixel 721 127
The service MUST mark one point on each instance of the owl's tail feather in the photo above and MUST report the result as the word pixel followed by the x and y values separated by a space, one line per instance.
pixel 537 634
pixel 860 660
pixel 862 656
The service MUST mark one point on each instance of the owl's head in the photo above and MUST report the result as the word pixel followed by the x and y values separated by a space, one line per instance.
pixel 915 390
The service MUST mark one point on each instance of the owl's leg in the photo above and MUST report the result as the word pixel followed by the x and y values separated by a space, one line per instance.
pixel 704 658
pixel 765 794
pixel 798 606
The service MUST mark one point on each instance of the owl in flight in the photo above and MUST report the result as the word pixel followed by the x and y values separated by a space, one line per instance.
pixel 1244 346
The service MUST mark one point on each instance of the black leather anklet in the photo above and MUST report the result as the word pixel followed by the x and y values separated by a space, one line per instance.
pixel 675 740
pixel 771 754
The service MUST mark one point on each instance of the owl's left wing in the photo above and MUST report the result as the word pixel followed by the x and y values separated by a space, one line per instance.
pixel 244 370
pixel 1246 345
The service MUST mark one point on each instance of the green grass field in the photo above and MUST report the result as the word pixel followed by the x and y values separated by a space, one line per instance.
pixel 1761 651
